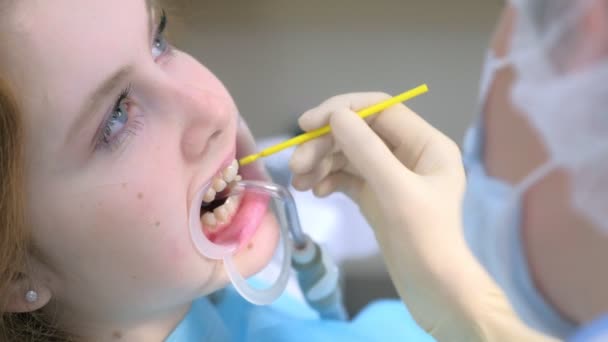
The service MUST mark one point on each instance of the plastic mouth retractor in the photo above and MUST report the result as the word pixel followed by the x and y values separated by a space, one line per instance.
pixel 226 252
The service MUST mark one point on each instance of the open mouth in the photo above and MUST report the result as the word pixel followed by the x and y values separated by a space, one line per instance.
pixel 230 220
pixel 220 223
pixel 217 208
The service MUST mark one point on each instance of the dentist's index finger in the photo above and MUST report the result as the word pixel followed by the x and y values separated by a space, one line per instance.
pixel 309 154
pixel 319 116
pixel 367 151
pixel 417 144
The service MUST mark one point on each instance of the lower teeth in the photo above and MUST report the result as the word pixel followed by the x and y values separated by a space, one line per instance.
pixel 221 214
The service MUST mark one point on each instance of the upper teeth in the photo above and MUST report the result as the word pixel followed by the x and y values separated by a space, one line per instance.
pixel 231 171
pixel 221 181
pixel 219 185
pixel 222 214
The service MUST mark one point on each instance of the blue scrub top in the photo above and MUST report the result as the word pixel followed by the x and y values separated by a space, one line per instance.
pixel 228 317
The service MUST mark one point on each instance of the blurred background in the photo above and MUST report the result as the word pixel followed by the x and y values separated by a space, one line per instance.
pixel 280 58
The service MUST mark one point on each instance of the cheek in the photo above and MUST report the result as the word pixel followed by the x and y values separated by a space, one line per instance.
pixel 149 217
pixel 152 241
pixel 134 229
pixel 153 223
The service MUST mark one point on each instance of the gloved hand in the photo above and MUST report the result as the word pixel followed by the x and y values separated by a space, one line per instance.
pixel 408 180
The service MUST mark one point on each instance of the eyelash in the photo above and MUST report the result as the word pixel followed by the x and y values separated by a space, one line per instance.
pixel 131 125
pixel 159 38
pixel 120 111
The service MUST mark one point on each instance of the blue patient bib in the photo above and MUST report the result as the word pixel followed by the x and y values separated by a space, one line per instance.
pixel 231 318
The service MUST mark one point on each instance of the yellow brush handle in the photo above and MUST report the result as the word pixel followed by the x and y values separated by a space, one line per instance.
pixel 300 139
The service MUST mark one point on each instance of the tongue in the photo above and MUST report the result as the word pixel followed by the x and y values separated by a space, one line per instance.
pixel 243 224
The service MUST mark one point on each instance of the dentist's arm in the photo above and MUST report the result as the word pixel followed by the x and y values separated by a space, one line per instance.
pixel 408 180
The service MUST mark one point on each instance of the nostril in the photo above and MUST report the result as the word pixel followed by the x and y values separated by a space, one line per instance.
pixel 215 135
pixel 197 141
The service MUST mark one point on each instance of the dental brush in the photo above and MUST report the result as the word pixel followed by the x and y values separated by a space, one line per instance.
pixel 300 139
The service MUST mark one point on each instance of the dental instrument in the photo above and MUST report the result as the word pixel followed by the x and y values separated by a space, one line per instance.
pixel 300 139
pixel 318 276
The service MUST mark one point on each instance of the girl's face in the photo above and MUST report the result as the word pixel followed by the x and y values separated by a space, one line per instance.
pixel 122 132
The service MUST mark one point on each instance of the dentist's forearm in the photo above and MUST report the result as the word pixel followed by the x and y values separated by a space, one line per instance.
pixel 452 297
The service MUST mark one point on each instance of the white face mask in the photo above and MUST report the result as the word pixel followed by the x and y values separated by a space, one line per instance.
pixel 561 91
pixel 565 99
pixel 492 213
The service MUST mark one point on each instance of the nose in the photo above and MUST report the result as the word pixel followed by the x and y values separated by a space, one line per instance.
pixel 205 117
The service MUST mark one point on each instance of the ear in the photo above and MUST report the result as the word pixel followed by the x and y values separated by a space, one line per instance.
pixel 17 301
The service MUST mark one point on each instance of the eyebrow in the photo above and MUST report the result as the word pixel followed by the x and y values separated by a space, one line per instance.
pixel 99 95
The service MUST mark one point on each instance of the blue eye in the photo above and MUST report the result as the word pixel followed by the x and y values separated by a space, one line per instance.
pixel 120 123
pixel 160 45
pixel 117 121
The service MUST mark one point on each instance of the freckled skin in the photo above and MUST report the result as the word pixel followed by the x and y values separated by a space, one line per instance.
pixel 89 220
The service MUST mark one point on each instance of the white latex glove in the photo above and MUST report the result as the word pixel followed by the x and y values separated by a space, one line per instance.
pixel 408 180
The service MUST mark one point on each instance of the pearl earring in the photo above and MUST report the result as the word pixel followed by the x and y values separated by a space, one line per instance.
pixel 31 296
